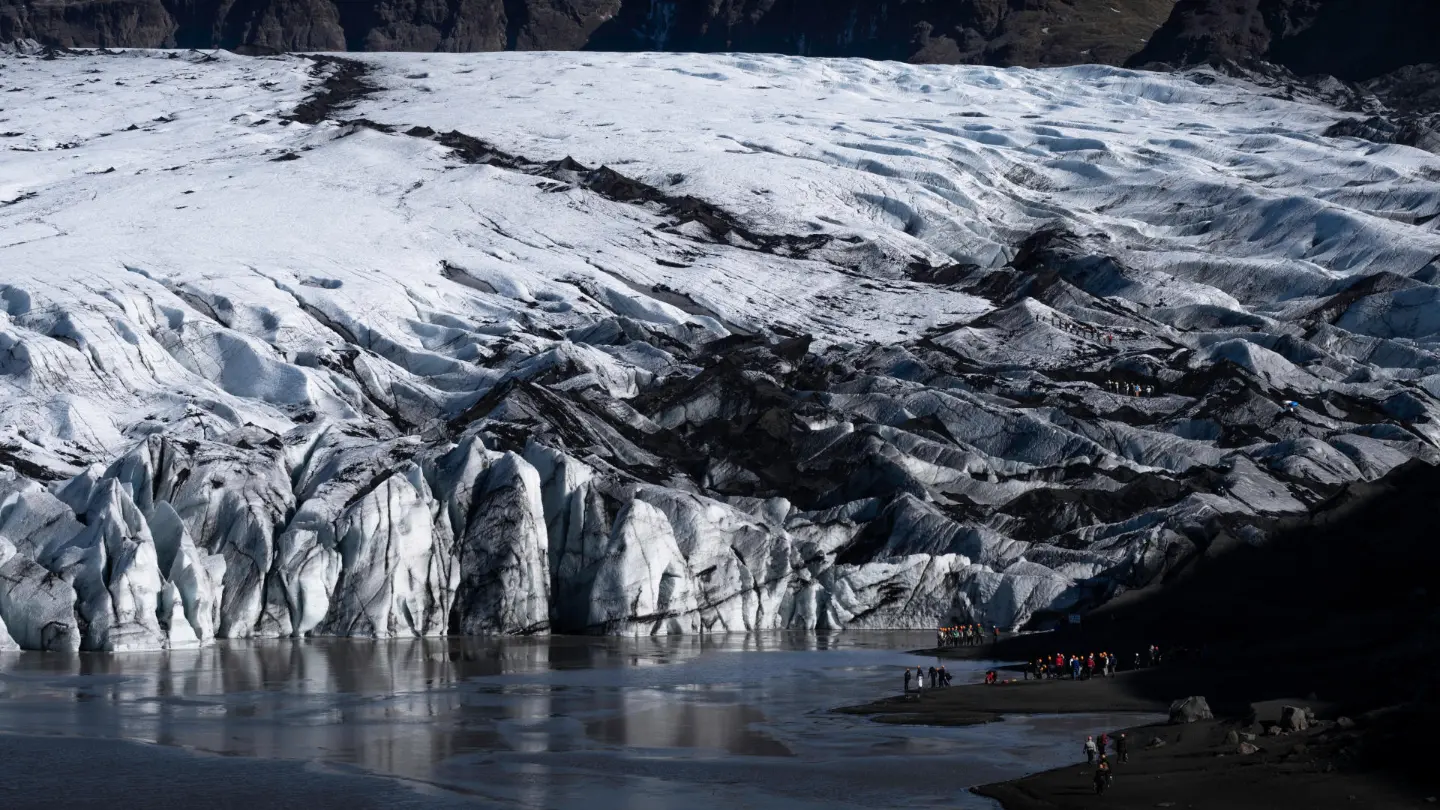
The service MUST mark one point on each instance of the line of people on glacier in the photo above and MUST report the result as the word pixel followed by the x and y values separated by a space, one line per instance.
pixel 1129 389
pixel 1077 328
pixel 965 635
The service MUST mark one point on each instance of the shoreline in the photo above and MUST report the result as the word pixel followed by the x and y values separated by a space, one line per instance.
pixel 977 704
pixel 1198 765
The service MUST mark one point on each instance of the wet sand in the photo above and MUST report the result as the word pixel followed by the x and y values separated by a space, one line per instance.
pixel 974 704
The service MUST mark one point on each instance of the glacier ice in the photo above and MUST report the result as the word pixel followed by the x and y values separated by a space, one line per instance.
pixel 831 343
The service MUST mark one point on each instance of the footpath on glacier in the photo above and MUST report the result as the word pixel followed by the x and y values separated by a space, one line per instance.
pixel 465 344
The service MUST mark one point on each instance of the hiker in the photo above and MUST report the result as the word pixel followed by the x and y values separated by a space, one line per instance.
pixel 920 681
pixel 1149 390
pixel 933 676
pixel 1102 743
pixel 1110 664
pixel 944 677
pixel 1122 747
pixel 1102 775
pixel 1074 669
pixel 907 680
pixel 1090 750
pixel 995 630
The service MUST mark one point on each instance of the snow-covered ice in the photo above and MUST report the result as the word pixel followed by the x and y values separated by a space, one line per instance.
pixel 827 343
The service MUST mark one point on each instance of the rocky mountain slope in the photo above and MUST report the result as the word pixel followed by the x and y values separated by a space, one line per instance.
pixel 1041 32
pixel 471 344
pixel 1354 40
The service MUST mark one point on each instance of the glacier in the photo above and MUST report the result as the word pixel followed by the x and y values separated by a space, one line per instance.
pixel 432 344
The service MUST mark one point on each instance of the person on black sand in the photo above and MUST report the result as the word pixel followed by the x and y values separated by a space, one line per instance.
pixel 1102 775
pixel 1122 748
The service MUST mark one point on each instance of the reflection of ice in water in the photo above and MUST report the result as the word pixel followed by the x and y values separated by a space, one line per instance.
pixel 548 722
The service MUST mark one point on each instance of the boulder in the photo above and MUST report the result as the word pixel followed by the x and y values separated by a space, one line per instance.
pixel 1246 749
pixel 1190 710
pixel 1155 742
pixel 1294 718
pixel 1232 738
pixel 1344 723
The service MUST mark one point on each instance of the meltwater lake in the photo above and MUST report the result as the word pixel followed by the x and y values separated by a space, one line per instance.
pixel 736 721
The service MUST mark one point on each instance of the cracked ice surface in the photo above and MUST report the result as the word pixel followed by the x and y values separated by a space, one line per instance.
pixel 827 345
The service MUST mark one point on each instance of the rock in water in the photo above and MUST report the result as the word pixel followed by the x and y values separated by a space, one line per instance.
pixel 1190 710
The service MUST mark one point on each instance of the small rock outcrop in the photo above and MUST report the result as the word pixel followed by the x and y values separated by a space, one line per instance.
pixel 1294 718
pixel 1190 710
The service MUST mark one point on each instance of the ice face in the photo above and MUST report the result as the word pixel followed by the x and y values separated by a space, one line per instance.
pixel 827 344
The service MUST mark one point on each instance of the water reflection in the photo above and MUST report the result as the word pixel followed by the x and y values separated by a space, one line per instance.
pixel 546 722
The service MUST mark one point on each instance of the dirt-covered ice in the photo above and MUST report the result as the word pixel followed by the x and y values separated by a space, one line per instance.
pixel 633 343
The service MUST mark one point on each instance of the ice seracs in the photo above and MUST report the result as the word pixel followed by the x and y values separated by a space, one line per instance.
pixel 503 351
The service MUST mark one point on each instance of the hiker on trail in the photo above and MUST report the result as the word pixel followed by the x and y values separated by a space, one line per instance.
pixel 1149 390
pixel 1102 743
pixel 1090 750
pixel 944 677
pixel 992 677
pixel 932 677
pixel 1110 340
pixel 1110 664
pixel 995 630
pixel 907 680
pixel 1137 660
pixel 1090 667
pixel 1074 669
pixel 1122 748
pixel 920 681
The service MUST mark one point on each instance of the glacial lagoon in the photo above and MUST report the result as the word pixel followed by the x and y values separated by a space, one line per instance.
pixel 546 722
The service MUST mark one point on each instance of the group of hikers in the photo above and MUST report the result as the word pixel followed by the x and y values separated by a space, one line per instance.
pixel 966 635
pixel 938 678
pixel 1085 667
pixel 1129 389
pixel 1096 754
